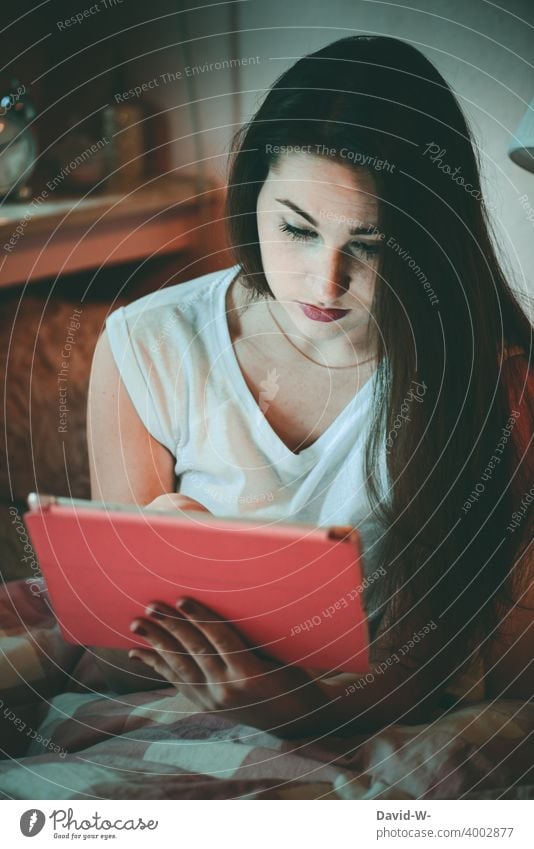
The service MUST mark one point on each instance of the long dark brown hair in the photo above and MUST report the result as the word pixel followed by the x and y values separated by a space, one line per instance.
pixel 444 313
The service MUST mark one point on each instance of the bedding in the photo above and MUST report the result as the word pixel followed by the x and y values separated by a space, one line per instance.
pixel 65 735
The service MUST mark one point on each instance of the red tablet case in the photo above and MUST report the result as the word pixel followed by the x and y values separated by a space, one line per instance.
pixel 290 590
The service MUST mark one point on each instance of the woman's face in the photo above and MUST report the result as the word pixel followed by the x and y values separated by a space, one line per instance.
pixel 312 213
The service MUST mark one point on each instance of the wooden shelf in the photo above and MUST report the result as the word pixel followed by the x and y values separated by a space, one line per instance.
pixel 62 235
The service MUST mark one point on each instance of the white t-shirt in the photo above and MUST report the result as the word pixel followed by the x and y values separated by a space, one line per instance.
pixel 175 356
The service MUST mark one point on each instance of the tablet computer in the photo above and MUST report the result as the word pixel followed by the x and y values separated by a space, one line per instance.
pixel 292 591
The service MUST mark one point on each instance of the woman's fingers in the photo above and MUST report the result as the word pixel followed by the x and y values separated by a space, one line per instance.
pixel 154 661
pixel 210 639
pixel 341 531
pixel 229 644
pixel 198 693
pixel 199 646
pixel 194 642
pixel 172 652
pixel 175 501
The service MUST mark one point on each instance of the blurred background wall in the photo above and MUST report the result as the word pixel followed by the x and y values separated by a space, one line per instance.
pixel 484 50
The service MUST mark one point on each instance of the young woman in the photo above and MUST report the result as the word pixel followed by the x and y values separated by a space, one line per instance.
pixel 364 364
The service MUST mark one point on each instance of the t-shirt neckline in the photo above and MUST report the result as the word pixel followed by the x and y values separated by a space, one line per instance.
pixel 237 380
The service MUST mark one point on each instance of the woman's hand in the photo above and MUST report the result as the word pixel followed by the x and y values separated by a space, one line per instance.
pixel 207 660
pixel 175 501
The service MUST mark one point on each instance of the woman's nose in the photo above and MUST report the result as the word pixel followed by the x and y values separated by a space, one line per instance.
pixel 332 278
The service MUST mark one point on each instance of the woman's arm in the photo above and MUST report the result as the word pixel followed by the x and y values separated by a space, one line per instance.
pixel 398 688
pixel 127 465
pixel 390 692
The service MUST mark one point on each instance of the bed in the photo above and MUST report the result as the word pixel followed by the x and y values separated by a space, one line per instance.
pixel 65 735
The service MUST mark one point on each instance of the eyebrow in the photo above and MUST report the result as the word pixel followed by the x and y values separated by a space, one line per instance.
pixel 365 229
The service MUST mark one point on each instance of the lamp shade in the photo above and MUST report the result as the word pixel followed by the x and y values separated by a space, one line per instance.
pixel 521 151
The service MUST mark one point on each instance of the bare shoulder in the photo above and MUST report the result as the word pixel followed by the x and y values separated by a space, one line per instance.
pixel 126 463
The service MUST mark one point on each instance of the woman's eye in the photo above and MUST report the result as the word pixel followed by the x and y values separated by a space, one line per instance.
pixel 365 248
pixel 298 233
pixel 302 234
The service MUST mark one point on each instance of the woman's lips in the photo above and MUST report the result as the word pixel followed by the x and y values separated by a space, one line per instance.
pixel 318 314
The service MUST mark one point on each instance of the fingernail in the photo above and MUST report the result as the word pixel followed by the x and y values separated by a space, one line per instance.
pixel 153 611
pixel 138 629
pixel 186 605
pixel 135 657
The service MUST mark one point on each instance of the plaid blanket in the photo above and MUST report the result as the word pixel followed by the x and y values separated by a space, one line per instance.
pixel 65 735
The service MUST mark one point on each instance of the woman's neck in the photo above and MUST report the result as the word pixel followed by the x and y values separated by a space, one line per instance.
pixel 341 351
pixel 246 318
